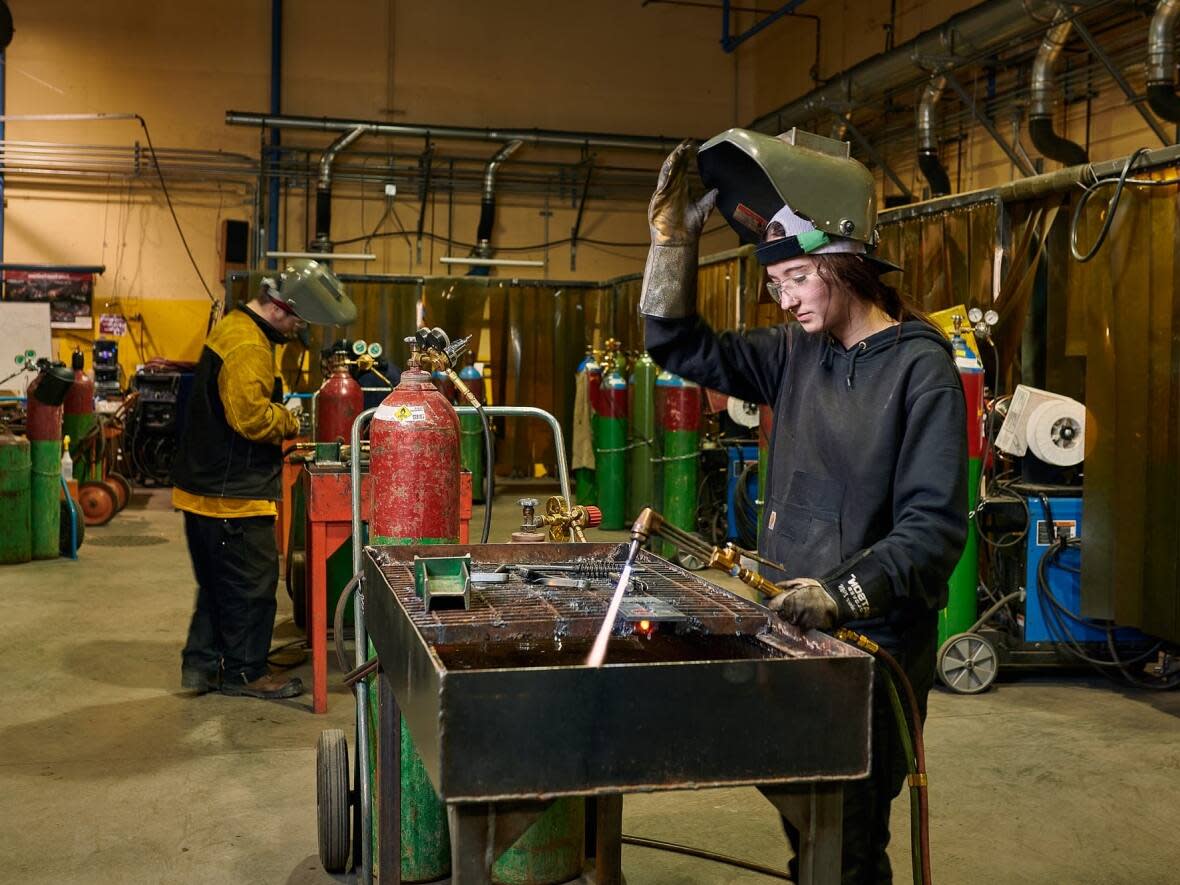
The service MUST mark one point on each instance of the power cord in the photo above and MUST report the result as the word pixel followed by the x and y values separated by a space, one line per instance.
pixel 168 198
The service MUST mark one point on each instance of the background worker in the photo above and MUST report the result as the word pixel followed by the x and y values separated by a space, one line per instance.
pixel 867 505
pixel 226 479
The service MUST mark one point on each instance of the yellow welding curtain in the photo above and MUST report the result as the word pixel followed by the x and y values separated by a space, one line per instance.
pixel 946 259
pixel 1123 314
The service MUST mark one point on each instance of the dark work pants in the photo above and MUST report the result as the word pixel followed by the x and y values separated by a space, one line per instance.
pixel 864 860
pixel 236 564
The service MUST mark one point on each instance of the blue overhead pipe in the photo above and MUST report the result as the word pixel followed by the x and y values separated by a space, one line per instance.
pixel 729 44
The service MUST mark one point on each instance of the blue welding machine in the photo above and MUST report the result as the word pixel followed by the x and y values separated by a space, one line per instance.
pixel 1062 573
pixel 739 457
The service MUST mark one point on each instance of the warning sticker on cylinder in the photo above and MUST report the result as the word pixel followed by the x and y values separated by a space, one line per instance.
pixel 401 414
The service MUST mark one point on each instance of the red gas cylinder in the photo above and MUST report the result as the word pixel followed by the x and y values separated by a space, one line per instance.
pixel 80 397
pixel 414 464
pixel 338 403
pixel 42 422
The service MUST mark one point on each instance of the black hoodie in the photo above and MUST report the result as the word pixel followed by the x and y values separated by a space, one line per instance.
pixel 867 484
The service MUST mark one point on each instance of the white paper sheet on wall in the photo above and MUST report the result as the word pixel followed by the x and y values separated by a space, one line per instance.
pixel 23 327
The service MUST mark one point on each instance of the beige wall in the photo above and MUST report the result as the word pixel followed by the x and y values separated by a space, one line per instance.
pixel 614 65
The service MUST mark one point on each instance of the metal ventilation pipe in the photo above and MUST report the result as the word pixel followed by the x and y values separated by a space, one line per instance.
pixel 1161 61
pixel 928 161
pixel 487 205
pixel 323 189
pixel 1042 95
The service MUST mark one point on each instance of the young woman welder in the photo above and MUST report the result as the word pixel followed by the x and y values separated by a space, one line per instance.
pixel 866 494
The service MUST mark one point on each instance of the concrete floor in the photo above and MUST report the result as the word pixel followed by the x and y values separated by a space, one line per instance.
pixel 109 774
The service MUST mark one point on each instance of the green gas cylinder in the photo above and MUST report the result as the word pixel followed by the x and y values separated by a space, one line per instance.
pixel 641 487
pixel 16 537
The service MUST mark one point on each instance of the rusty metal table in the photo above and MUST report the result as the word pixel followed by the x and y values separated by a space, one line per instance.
pixel 506 717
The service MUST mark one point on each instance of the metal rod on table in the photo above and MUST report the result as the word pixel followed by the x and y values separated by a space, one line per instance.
pixel 563 472
pixel 362 651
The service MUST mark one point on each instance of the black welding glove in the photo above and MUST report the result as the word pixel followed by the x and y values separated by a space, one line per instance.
pixel 857 590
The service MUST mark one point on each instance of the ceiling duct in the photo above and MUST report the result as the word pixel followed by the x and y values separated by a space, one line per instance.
pixel 1043 95
pixel 487 207
pixel 928 161
pixel 323 189
pixel 969 34
pixel 1161 61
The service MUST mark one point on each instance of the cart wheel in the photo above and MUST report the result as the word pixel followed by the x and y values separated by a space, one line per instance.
pixel 332 805
pixel 297 586
pixel 967 663
pixel 98 501
pixel 122 487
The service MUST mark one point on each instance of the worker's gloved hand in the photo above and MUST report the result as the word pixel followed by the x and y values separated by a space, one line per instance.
pixel 675 221
pixel 805 603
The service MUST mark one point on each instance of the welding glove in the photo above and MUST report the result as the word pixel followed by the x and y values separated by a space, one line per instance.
pixel 858 589
pixel 807 604
pixel 675 221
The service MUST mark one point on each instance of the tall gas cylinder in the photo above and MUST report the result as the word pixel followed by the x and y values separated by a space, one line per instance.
pixel 78 423
pixel 471 447
pixel 16 540
pixel 587 381
pixel 414 465
pixel 765 427
pixel 961 609
pixel 610 447
pixel 550 851
pixel 339 401
pixel 678 418
pixel 642 433
pixel 44 428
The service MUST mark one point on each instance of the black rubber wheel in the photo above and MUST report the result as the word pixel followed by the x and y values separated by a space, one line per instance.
pixel 332 805
pixel 297 586
pixel 122 488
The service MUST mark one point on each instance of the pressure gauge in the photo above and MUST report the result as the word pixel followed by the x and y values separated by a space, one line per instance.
pixel 974 315
pixel 991 317
pixel 375 350
pixel 358 347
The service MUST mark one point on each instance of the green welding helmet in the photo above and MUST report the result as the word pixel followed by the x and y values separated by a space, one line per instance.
pixel 313 292
pixel 824 198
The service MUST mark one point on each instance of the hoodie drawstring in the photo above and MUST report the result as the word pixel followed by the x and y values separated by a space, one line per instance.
pixel 825 354
pixel 856 351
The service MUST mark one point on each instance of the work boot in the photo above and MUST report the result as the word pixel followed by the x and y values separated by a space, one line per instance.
pixel 269 687
pixel 199 681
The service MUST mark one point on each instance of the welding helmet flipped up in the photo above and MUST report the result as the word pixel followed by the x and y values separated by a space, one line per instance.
pixel 825 200
pixel 312 292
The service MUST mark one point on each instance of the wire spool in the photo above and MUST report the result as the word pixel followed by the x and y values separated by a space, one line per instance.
pixel 1057 433
pixel 742 413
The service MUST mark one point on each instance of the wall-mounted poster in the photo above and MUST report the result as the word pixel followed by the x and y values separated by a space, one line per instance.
pixel 69 292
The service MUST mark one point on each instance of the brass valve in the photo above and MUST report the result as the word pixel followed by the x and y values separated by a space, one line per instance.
pixel 564 522
pixel 726 559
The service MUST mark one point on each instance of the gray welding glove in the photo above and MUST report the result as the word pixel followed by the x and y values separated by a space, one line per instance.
pixel 675 221
pixel 807 604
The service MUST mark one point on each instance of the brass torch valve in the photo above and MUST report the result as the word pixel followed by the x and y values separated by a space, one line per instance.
pixel 565 522
pixel 726 559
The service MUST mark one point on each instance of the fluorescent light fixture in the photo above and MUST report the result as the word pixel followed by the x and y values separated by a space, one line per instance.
pixel 326 256
pixel 492 262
